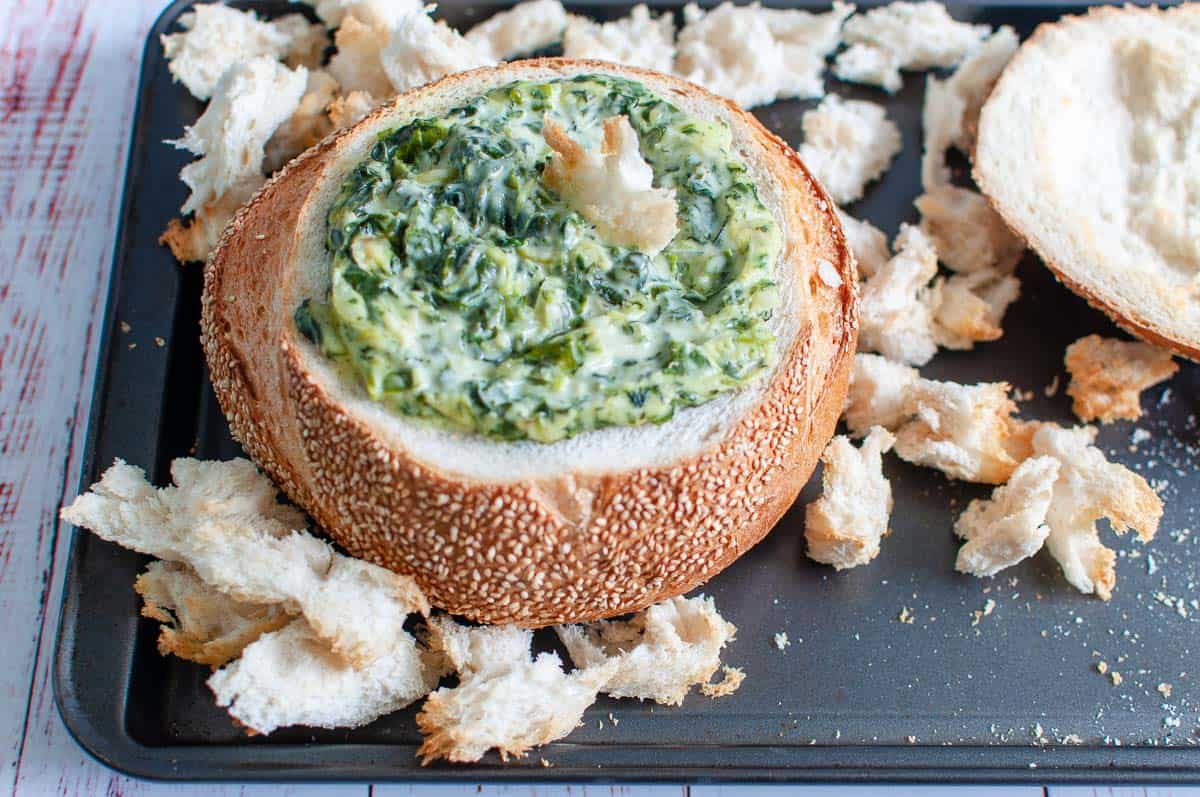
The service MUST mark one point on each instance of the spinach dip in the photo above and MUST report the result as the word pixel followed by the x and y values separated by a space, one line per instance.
pixel 467 294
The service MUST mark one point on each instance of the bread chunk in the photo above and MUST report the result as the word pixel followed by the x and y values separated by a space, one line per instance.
pixel 216 37
pixel 755 55
pixel 848 144
pixel 903 35
pixel 252 549
pixel 200 623
pixel 970 307
pixel 526 27
pixel 867 242
pixel 1011 525
pixel 307 125
pixel 845 525
pixel 291 677
pixel 878 396
pixel 638 39
pixel 348 109
pixel 1089 487
pixel 306 41
pixel 358 63
pixel 251 100
pixel 965 431
pixel 421 51
pixel 969 236
pixel 950 113
pixel 896 318
pixel 659 654
pixel 383 14
pixel 613 189
pixel 505 699
pixel 1109 375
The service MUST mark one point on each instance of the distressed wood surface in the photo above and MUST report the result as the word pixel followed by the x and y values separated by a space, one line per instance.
pixel 68 71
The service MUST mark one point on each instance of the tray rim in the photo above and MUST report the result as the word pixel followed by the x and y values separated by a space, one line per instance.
pixel 106 740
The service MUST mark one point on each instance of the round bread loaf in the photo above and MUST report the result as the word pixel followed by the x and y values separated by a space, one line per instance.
pixel 599 524
pixel 1087 147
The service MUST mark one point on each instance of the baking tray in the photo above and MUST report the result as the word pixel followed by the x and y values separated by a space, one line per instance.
pixel 902 670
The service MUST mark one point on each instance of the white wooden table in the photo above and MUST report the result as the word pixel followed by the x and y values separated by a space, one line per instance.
pixel 68 72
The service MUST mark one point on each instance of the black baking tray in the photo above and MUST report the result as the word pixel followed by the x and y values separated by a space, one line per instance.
pixel 955 695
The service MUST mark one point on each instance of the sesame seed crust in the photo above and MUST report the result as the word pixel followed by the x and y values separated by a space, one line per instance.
pixel 573 548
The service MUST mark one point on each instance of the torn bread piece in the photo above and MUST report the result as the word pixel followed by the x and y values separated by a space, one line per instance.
pixel 658 654
pixel 878 393
pixel 251 100
pixel 1109 375
pixel 848 144
pixel 966 232
pixel 950 114
pixel 421 51
pixel 867 242
pixel 348 109
pixel 258 556
pixel 965 431
pixel 291 677
pixel 1011 525
pixel 731 681
pixel 518 31
pixel 358 63
pixel 845 525
pixel 382 14
pixel 613 189
pixel 505 699
pixel 306 41
pixel 895 315
pixel 638 39
pixel 200 623
pixel 307 125
pixel 970 307
pixel 1089 487
pixel 903 35
pixel 215 37
pixel 755 55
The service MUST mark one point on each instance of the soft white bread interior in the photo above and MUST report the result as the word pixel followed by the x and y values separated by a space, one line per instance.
pixel 1089 147
pixel 605 522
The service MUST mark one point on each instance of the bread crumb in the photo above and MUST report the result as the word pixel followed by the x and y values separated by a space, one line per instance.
pixel 1051 389
pixel 969 308
pixel 1088 488
pixel 844 526
pixel 988 606
pixel 159 342
pixel 781 640
pixel 1102 667
pixel 896 318
pixel 848 144
pixel 755 55
pixel 215 37
pixel 132 346
pixel 613 189
pixel 1164 689
pixel 967 233
pixel 966 431
pixel 1009 526
pixel 638 39
pixel 903 35
pixel 1108 376
pixel 520 30
pixel 906 616
pixel 731 681
pixel 1116 678
pixel 659 654
pixel 126 328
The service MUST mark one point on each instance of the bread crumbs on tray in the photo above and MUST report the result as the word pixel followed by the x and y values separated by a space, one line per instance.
pixel 125 327
pixel 1164 689
pixel 159 342
pixel 906 616
pixel 977 615
pixel 781 640
pixel 731 679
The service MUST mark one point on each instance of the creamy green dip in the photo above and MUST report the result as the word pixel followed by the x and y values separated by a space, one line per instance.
pixel 467 294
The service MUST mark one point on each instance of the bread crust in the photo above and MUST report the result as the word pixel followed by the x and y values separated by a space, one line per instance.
pixel 575 547
pixel 1073 275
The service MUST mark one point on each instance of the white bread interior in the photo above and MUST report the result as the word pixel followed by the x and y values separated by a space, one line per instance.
pixel 1058 154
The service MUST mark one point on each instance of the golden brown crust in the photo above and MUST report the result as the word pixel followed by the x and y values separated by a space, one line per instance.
pixel 571 549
